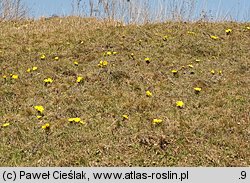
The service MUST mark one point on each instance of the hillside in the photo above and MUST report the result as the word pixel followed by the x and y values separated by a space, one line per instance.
pixel 82 92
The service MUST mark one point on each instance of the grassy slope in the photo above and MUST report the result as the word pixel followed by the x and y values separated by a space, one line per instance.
pixel 212 130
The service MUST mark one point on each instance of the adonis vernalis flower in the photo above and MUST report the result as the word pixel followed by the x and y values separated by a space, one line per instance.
pixel 165 38
pixel 48 80
pixel 5 124
pixel 212 72
pixel 147 60
pixel 39 117
pixel 197 90
pixel 14 76
pixel 46 126
pixel 109 53
pixel 79 79
pixel 125 116
pixel 214 37
pixel 148 93
pixel 228 31
pixel 191 32
pixel 174 71
pixel 180 104
pixel 42 57
pixel 157 121
pixel 76 120
pixel 39 108
pixel 34 68
pixel 103 63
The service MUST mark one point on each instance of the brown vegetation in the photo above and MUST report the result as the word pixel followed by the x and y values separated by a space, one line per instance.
pixel 211 129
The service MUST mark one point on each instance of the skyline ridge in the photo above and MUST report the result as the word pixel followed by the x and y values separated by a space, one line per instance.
pixel 233 10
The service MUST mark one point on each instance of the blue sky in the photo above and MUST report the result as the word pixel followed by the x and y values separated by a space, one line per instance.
pixel 237 9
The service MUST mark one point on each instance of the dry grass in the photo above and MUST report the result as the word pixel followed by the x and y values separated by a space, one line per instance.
pixel 212 129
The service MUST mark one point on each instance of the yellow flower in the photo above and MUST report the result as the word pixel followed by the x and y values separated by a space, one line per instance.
pixel 228 31
pixel 132 55
pixel 46 126
pixel 214 37
pixel 147 60
pixel 212 72
pixel 248 28
pixel 48 80
pixel 71 119
pixel 76 120
pixel 4 76
pixel 114 52
pixel 157 121
pixel 56 58
pixel 109 53
pixel 190 66
pixel 191 33
pixel 220 72
pixel 5 124
pixel 197 60
pixel 197 90
pixel 165 38
pixel 76 63
pixel 79 79
pixel 103 63
pixel 82 122
pixel 14 76
pixel 34 68
pixel 174 71
pixel 149 94
pixel 43 57
pixel 39 108
pixel 125 116
pixel 39 117
pixel 180 104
